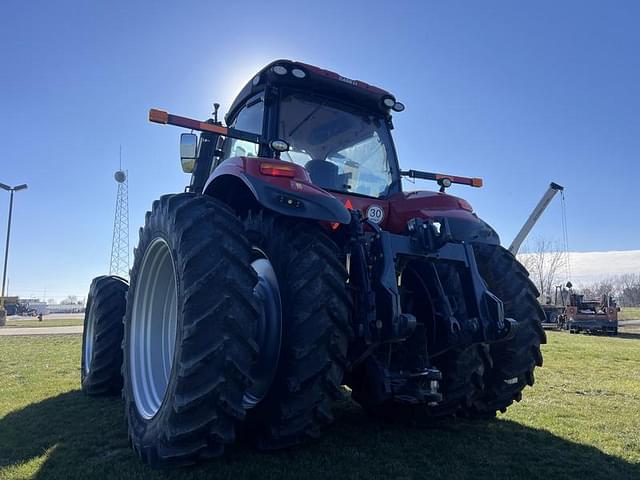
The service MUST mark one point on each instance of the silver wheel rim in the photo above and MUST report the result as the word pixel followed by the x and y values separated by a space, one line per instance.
pixel 154 318
pixel 88 338
pixel 268 331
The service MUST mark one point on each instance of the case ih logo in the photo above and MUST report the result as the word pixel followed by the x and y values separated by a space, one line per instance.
pixel 348 80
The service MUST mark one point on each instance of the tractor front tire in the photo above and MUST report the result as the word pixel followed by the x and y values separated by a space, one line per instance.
pixel 189 328
pixel 101 363
pixel 510 364
pixel 315 330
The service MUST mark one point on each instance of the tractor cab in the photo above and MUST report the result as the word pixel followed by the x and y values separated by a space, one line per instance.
pixel 336 128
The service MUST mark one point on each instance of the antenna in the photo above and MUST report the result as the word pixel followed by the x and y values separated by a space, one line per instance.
pixel 119 264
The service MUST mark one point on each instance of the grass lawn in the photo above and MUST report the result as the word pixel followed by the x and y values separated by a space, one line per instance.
pixel 46 322
pixel 581 420
pixel 629 313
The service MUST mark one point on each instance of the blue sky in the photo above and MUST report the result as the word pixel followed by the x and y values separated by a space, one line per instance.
pixel 520 93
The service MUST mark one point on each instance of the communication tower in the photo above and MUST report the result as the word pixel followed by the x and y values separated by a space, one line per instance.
pixel 120 244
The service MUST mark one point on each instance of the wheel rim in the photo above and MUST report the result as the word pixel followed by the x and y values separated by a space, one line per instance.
pixel 268 332
pixel 88 337
pixel 154 319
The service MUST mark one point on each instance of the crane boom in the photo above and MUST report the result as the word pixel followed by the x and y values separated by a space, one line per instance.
pixel 535 215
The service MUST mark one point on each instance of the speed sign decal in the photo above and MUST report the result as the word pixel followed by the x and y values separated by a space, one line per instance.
pixel 375 213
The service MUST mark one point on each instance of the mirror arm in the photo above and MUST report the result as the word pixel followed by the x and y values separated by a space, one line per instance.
pixel 162 117
pixel 472 182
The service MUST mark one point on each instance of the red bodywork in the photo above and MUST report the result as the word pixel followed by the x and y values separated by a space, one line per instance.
pixel 402 207
pixel 398 209
pixel 299 183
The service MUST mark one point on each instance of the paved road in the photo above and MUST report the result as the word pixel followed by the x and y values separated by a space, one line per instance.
pixel 624 323
pixel 40 330
pixel 78 329
pixel 48 316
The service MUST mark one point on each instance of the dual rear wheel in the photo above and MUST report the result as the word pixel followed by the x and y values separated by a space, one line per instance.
pixel 102 336
pixel 226 322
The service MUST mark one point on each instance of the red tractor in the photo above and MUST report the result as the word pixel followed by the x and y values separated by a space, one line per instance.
pixel 294 264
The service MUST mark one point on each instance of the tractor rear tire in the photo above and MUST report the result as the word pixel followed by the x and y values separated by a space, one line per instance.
pixel 510 364
pixel 315 331
pixel 462 379
pixel 189 328
pixel 462 368
pixel 101 361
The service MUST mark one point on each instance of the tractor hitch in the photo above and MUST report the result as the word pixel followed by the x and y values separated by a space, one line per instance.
pixel 420 387
pixel 377 260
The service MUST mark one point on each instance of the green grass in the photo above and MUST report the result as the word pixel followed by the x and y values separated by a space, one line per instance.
pixel 581 420
pixel 46 322
pixel 629 313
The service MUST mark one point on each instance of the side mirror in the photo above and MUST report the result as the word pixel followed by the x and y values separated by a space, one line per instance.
pixel 188 151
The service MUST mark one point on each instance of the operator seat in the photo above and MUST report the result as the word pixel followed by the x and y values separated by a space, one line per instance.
pixel 324 174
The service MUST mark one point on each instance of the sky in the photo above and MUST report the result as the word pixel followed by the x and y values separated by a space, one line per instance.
pixel 519 93
pixel 586 268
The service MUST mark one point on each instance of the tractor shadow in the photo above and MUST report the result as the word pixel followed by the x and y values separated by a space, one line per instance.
pixel 72 436
pixel 629 334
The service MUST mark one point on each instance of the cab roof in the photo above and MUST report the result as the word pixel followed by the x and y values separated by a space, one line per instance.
pixel 303 77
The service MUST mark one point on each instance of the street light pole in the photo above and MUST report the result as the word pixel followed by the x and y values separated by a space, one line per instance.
pixel 17 188
pixel 6 248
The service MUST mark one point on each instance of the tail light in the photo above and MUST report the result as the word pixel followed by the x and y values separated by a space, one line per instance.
pixel 278 170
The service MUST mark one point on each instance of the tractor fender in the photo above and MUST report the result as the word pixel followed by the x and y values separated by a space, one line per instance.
pixel 463 222
pixel 472 230
pixel 241 184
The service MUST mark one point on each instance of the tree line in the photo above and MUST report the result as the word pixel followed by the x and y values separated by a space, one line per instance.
pixel 625 288
pixel 548 266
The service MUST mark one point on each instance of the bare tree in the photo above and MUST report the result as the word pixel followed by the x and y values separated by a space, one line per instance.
pixel 543 260
pixel 626 289
pixel 629 289
pixel 70 300
pixel 601 288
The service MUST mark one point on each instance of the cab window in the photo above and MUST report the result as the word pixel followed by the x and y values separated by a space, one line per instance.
pixel 249 119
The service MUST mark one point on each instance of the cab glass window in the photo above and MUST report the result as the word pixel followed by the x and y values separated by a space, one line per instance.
pixel 343 149
pixel 249 119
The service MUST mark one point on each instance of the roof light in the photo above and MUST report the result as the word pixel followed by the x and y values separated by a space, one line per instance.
pixel 279 146
pixel 279 70
pixel 277 169
pixel 398 107
pixel 256 80
pixel 389 102
pixel 298 73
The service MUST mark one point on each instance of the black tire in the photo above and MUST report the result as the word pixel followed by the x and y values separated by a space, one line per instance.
pixel 462 379
pixel 462 368
pixel 216 321
pixel 510 364
pixel 101 359
pixel 315 327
